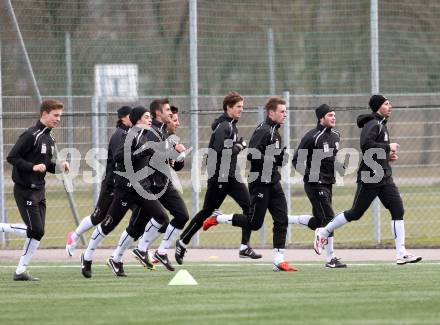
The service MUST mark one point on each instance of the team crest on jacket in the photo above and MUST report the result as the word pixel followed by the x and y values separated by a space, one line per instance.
pixel 43 148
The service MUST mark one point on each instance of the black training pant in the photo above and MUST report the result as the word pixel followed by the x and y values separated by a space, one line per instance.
pixel 122 201
pixel 388 194
pixel 214 197
pixel 320 196
pixel 31 204
pixel 266 197
pixel 104 201
pixel 170 200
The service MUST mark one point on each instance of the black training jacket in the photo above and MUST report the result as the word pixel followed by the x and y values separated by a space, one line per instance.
pixel 165 146
pixel 264 135
pixel 374 135
pixel 223 128
pixel 116 139
pixel 320 138
pixel 138 160
pixel 35 146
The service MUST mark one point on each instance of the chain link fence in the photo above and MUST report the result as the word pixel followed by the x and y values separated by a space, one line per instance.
pixel 194 52
pixel 415 128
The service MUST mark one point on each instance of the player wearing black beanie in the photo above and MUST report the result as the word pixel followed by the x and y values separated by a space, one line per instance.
pixel 374 180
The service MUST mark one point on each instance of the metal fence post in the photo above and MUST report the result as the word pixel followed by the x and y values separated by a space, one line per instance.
pixel 374 25
pixel 2 169
pixel 194 85
pixel 68 53
pixel 271 60
pixel 260 112
pixel 286 169
pixel 103 121
pixel 95 142
pixel 262 232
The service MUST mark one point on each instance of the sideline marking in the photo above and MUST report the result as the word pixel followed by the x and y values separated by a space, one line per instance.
pixel 225 264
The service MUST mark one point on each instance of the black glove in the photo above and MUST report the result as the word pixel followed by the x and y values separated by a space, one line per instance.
pixel 279 158
pixel 239 146
pixel 283 151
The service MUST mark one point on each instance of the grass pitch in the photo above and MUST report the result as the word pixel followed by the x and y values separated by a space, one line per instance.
pixel 364 293
pixel 421 220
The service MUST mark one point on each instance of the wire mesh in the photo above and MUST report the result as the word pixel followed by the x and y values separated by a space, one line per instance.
pixel 319 51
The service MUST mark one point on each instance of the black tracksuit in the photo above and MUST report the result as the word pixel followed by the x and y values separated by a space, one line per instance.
pixel 222 165
pixel 264 182
pixel 126 194
pixel 168 196
pixel 375 136
pixel 318 146
pixel 108 183
pixel 34 146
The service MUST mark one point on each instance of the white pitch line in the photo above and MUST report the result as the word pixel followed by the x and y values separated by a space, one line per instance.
pixel 220 265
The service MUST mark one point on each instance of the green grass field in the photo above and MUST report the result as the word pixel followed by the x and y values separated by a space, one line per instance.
pixel 421 219
pixel 364 293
